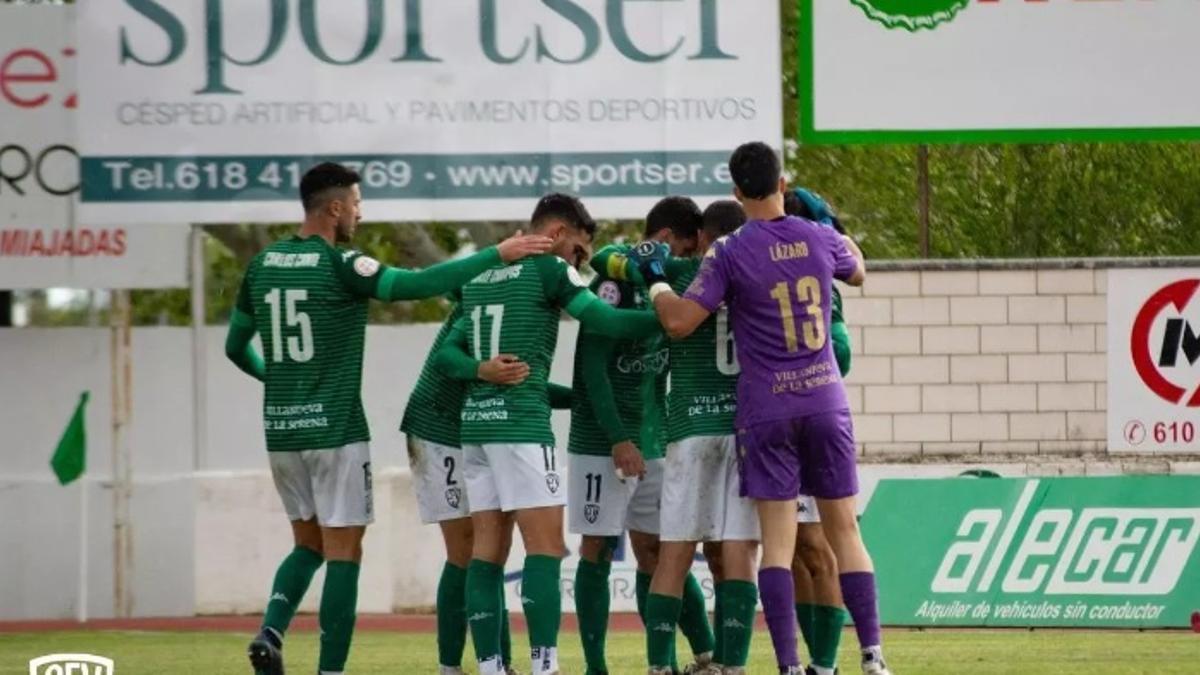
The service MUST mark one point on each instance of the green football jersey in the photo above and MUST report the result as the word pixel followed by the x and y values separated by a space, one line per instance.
pixel 637 372
pixel 704 371
pixel 515 309
pixel 434 410
pixel 308 302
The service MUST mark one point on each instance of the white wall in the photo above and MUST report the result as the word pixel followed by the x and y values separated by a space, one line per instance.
pixel 204 543
pixel 989 362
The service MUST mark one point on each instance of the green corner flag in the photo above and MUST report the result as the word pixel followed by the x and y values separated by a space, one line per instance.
pixel 70 457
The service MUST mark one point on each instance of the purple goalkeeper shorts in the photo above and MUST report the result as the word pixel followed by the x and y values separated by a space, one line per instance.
pixel 813 455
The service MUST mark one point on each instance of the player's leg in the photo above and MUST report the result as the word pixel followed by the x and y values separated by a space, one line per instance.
pixel 678 501
pixel 597 502
pixel 437 483
pixel 737 599
pixel 296 571
pixel 712 557
pixel 830 438
pixel 452 594
pixel 820 600
pixel 506 654
pixel 770 475
pixel 485 572
pixel 530 485
pixel 342 487
pixel 805 603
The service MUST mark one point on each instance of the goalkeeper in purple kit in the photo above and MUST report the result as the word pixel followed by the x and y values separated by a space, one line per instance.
pixel 775 274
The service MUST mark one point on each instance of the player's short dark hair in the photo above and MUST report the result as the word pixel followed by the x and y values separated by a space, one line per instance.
pixel 322 179
pixel 681 215
pixel 723 217
pixel 794 206
pixel 755 170
pixel 563 207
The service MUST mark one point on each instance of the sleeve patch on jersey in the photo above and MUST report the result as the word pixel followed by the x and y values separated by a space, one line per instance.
pixel 573 275
pixel 610 293
pixel 366 266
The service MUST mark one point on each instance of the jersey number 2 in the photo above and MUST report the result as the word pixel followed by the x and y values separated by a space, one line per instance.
pixel 299 348
pixel 808 291
pixel 496 314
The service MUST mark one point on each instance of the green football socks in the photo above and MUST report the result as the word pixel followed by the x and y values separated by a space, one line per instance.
pixel 827 634
pixel 505 629
pixel 485 586
pixel 662 615
pixel 806 616
pixel 592 602
pixel 292 578
pixel 541 596
pixel 740 606
pixel 339 599
pixel 693 618
pixel 718 622
pixel 451 615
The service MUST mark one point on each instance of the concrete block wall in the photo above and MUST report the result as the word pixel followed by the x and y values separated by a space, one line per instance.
pixel 985 362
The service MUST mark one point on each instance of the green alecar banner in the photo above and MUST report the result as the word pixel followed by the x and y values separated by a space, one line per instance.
pixel 1087 552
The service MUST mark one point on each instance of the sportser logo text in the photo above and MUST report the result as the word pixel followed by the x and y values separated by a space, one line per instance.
pixel 1063 551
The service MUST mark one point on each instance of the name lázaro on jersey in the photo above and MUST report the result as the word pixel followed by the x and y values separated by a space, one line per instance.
pixel 295 417
pixel 291 260
pixel 485 410
pixel 499 275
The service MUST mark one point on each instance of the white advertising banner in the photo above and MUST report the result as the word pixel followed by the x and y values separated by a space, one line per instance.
pixel 451 110
pixel 917 71
pixel 40 243
pixel 1154 360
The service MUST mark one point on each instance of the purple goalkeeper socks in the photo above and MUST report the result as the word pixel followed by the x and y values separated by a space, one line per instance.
pixel 858 592
pixel 779 607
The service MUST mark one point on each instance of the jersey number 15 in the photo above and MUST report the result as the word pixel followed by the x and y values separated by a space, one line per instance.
pixel 281 302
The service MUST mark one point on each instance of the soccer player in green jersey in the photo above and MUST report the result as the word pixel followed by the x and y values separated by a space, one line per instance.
pixel 819 607
pixel 432 420
pixel 616 447
pixel 431 423
pixel 700 500
pixel 308 298
pixel 511 466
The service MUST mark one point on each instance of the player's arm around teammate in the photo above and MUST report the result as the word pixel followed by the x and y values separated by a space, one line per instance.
pixel 775 273
pixel 308 299
pixel 700 500
pixel 511 465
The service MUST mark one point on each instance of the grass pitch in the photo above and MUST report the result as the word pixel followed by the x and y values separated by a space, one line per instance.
pixel 909 652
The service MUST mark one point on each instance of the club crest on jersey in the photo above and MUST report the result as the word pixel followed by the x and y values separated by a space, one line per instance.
pixel 453 497
pixel 366 266
pixel 591 512
pixel 553 482
pixel 610 293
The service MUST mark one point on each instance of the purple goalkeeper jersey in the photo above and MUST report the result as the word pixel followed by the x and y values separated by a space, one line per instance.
pixel 776 278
